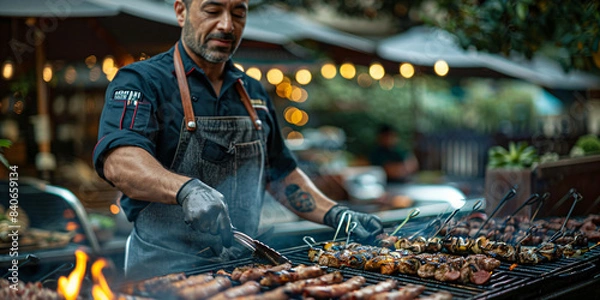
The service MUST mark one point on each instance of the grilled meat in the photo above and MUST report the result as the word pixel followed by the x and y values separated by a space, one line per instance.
pixel 204 290
pixel 274 278
pixel 369 291
pixel 410 291
pixel 248 288
pixel 335 290
pixel 437 296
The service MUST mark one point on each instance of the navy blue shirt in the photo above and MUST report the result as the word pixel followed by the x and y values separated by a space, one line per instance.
pixel 143 108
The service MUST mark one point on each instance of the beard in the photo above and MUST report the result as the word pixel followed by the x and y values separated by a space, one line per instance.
pixel 202 49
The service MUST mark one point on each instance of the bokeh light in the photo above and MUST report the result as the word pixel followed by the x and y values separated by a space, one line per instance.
pixel 407 70
pixel 303 76
pixel 274 76
pixel 47 73
pixel 347 70
pixel 328 71
pixel 376 71
pixel 441 68
pixel 254 72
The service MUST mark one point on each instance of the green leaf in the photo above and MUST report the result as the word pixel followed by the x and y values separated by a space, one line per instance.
pixel 4 143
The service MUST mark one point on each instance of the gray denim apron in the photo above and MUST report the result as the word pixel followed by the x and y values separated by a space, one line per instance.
pixel 228 154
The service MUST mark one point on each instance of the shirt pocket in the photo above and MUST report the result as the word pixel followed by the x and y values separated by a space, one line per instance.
pixel 130 115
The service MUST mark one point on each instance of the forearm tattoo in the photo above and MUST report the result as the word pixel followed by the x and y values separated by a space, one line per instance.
pixel 299 199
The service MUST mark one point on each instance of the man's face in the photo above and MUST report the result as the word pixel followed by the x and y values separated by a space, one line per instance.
pixel 213 28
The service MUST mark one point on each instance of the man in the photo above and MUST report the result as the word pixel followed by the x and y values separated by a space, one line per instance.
pixel 193 154
pixel 397 163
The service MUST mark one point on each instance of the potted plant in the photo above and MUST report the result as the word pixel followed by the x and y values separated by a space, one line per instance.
pixel 507 168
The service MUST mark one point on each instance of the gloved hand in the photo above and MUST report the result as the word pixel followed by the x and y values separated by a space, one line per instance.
pixel 204 210
pixel 368 226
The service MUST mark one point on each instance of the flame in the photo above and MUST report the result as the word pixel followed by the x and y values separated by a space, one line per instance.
pixel 100 290
pixel 69 287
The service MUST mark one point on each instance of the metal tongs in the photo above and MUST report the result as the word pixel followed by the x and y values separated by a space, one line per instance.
pixel 259 248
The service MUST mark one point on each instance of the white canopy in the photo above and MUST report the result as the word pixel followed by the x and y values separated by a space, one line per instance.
pixel 424 46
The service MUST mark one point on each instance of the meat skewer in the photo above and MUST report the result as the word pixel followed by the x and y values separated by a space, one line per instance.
pixel 410 291
pixel 253 272
pixel 576 198
pixel 273 278
pixel 533 198
pixel 248 288
pixel 446 221
pixel 296 287
pixel 205 290
pixel 369 291
pixel 151 285
pixel 335 290
pixel 413 213
pixel 511 194
pixel 443 267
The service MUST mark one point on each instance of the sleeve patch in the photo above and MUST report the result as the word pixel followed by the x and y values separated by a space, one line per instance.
pixel 127 95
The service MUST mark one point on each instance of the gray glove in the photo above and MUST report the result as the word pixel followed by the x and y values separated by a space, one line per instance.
pixel 204 210
pixel 368 226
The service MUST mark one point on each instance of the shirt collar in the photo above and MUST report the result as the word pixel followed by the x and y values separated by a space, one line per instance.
pixel 232 73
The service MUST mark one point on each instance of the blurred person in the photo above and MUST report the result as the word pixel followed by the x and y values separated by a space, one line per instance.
pixel 193 143
pixel 398 163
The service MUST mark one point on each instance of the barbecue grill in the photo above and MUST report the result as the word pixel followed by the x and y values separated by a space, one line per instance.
pixel 563 277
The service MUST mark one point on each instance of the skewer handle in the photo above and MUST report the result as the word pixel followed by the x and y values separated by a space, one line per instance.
pixel 512 193
pixel 446 221
pixel 413 213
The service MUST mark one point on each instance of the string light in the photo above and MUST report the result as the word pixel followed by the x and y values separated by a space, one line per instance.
pixel 274 76
pixel 407 70
pixel 328 71
pixel 376 71
pixel 441 68
pixel 254 72
pixel 347 70
pixel 303 76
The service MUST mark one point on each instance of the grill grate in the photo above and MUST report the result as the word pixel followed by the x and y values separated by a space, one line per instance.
pixel 504 283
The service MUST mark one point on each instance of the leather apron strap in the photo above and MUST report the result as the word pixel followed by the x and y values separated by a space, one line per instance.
pixel 239 86
pixel 186 102
pixel 184 90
